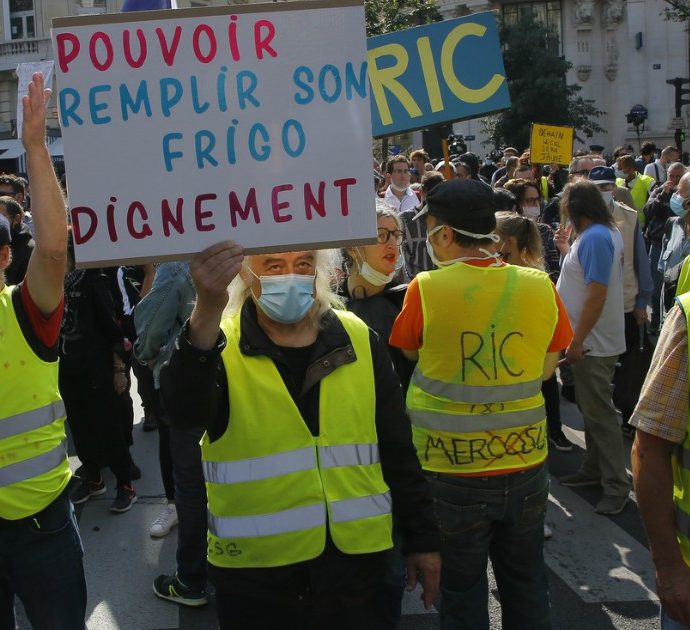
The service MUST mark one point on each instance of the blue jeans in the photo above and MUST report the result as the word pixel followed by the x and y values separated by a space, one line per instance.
pixel 190 501
pixel 41 563
pixel 502 518
pixel 670 624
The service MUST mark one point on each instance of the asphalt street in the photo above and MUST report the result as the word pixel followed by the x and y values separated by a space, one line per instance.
pixel 600 572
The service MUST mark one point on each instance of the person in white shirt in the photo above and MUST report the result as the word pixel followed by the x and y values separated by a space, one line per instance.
pixel 399 194
pixel 657 168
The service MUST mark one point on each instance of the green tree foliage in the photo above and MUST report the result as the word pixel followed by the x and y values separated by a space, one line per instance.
pixel 538 88
pixel 384 16
pixel 677 10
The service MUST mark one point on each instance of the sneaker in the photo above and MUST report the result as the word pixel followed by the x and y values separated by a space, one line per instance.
pixel 150 422
pixel 568 392
pixel 85 489
pixel 164 522
pixel 561 443
pixel 125 499
pixel 611 505
pixel 547 532
pixel 170 587
pixel 578 480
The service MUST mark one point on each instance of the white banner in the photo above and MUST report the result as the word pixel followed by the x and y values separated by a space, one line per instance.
pixel 185 128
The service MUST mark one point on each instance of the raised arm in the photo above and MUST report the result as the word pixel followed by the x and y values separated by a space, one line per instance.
pixel 46 271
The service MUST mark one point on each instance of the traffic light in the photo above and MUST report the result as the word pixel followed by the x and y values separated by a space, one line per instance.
pixel 677 83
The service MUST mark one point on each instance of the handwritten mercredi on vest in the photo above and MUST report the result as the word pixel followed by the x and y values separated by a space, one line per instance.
pixel 34 468
pixel 479 408
pixel 273 488
pixel 252 123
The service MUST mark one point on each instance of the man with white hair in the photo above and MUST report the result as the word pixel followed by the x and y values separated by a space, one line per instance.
pixel 307 442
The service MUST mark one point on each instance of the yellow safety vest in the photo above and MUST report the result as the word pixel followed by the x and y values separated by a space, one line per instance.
pixel 475 397
pixel 34 469
pixel 544 182
pixel 681 470
pixel 272 486
pixel 639 192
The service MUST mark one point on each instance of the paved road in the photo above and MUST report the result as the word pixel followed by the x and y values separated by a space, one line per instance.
pixel 599 568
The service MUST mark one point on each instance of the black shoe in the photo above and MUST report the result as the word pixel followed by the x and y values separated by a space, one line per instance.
pixel 134 471
pixel 85 489
pixel 150 422
pixel 568 392
pixel 171 588
pixel 125 499
pixel 561 443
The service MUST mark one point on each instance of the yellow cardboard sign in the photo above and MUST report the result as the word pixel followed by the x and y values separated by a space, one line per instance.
pixel 551 144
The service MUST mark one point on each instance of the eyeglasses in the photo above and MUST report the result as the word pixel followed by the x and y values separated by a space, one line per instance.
pixel 7 193
pixel 584 172
pixel 401 171
pixel 384 235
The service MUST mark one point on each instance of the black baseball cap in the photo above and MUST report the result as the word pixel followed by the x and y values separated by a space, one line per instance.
pixel 459 199
pixel 5 231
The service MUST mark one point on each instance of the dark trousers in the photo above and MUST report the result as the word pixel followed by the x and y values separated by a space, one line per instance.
pixel 94 417
pixel 165 460
pixel 145 388
pixel 41 563
pixel 552 403
pixel 190 501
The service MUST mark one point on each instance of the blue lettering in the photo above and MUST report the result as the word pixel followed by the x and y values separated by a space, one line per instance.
pixel 351 80
pixel 258 128
pixel 308 92
pixel 141 100
pixel 301 139
pixel 199 108
pixel 337 87
pixel 69 110
pixel 245 93
pixel 168 155
pixel 95 107
pixel 168 99
pixel 203 149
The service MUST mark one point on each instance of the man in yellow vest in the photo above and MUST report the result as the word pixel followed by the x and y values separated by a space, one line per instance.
pixel 639 185
pixel 40 549
pixel 307 444
pixel 485 335
pixel 661 465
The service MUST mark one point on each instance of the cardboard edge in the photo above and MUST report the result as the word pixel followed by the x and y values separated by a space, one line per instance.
pixel 175 14
pixel 297 247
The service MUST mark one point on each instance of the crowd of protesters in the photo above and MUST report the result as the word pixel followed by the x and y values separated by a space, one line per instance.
pixel 334 425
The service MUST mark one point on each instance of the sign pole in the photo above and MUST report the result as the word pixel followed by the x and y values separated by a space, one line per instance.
pixel 446 159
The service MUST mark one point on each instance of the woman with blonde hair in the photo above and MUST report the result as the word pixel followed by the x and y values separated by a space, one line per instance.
pixel 521 245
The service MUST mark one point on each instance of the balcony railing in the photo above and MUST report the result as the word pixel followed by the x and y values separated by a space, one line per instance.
pixel 25 49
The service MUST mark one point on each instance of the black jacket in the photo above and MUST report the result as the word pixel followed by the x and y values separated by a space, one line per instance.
pixel 195 391
pixel 22 246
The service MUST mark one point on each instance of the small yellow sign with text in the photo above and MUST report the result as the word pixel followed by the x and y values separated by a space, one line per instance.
pixel 550 144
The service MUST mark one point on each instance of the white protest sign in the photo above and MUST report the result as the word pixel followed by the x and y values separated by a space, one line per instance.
pixel 182 129
pixel 24 73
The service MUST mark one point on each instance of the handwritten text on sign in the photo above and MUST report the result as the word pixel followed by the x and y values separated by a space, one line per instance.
pixel 185 128
pixel 551 145
pixel 437 73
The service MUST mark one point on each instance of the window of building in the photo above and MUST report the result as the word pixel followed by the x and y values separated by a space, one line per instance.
pixel 22 19
pixel 90 7
pixel 546 13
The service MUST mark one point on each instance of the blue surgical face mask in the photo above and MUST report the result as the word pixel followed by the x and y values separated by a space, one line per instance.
pixel 677 205
pixel 286 298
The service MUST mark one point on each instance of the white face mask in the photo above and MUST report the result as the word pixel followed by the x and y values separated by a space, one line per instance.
pixel 608 197
pixel 444 263
pixel 376 278
pixel 531 212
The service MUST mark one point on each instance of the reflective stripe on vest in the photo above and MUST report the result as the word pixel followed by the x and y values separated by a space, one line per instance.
pixel 30 420
pixel 472 423
pixel 361 507
pixel 33 467
pixel 476 394
pixel 284 522
pixel 288 462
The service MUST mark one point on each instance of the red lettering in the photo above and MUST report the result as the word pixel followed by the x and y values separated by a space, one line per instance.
pixel 278 206
pixel 250 205
pixel 232 38
pixel 137 206
pixel 263 44
pixel 310 202
pixel 79 235
pixel 65 57
pixel 109 53
pixel 134 63
pixel 168 218
pixel 200 214
pixel 169 52
pixel 212 44
pixel 110 217
pixel 343 184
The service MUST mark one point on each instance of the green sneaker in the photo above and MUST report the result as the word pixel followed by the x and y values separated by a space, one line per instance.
pixel 170 587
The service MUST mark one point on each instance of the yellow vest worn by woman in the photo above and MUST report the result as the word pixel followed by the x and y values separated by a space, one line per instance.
pixel 272 486
pixel 34 469
pixel 681 469
pixel 475 397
